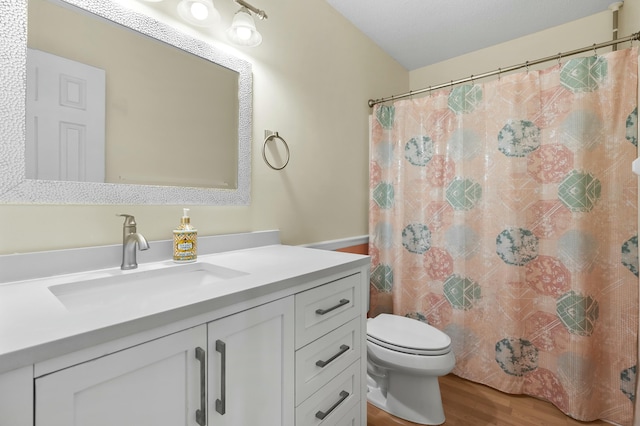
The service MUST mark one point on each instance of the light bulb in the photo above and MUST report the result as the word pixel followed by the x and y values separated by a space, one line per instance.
pixel 243 33
pixel 199 11
pixel 243 30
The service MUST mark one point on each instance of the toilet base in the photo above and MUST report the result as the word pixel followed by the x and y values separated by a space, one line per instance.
pixel 415 406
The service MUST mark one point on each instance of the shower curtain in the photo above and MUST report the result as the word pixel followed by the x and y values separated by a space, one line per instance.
pixel 505 214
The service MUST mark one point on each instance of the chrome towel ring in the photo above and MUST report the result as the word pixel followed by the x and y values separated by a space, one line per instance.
pixel 274 136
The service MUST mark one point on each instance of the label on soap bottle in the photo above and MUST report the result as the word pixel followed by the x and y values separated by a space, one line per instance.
pixel 185 246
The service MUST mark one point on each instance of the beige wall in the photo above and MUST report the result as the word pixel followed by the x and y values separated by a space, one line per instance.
pixel 313 75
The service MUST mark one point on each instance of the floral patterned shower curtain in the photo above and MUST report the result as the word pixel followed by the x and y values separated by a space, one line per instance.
pixel 505 214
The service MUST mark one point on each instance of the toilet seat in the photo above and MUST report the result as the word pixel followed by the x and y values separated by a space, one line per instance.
pixel 407 335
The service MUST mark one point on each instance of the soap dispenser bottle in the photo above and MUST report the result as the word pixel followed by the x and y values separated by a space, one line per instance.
pixel 185 240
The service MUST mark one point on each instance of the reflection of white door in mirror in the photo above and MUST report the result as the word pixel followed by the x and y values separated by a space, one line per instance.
pixel 65 127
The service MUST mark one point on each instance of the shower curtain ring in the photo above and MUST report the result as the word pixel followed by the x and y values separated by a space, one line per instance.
pixel 499 73
pixel 595 53
pixel 472 83
pixel 559 58
pixel 527 65
pixel 430 91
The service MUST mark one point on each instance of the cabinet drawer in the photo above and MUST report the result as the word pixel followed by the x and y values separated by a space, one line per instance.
pixel 321 309
pixel 334 352
pixel 332 402
pixel 352 418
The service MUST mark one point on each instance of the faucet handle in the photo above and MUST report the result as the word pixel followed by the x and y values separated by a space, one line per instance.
pixel 129 220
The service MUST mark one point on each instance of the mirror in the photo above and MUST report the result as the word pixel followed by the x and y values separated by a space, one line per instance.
pixel 132 183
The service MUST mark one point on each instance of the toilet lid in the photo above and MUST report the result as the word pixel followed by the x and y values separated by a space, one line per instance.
pixel 407 335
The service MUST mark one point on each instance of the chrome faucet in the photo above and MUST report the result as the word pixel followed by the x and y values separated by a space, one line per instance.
pixel 131 238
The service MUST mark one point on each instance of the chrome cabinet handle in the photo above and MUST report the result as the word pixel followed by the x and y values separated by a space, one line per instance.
pixel 221 403
pixel 343 349
pixel 326 311
pixel 201 414
pixel 322 414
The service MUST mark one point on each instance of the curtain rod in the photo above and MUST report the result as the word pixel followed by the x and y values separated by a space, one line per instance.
pixel 559 56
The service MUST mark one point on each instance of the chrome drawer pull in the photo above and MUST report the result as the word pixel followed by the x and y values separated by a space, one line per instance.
pixel 326 311
pixel 321 415
pixel 343 349
pixel 201 414
pixel 221 403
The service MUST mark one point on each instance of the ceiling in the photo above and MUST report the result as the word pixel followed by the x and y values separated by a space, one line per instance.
pixel 417 33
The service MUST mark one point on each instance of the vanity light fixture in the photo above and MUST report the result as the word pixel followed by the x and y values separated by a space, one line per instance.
pixel 242 31
pixel 201 13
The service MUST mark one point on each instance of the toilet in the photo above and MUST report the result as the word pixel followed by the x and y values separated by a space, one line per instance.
pixel 405 357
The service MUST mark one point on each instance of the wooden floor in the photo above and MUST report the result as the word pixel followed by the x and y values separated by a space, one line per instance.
pixel 471 404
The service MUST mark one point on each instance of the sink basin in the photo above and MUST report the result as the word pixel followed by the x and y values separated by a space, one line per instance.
pixel 140 288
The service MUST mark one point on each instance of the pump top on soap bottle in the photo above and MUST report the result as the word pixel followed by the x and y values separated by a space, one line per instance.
pixel 185 240
pixel 185 220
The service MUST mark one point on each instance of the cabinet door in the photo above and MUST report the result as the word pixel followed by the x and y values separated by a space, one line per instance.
pixel 156 383
pixel 251 367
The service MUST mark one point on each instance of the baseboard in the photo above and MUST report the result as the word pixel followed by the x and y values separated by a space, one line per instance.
pixel 340 244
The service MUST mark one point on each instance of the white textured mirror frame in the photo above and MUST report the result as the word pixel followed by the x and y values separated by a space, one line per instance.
pixel 14 188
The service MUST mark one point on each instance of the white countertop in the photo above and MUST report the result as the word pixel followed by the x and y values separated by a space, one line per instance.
pixel 35 325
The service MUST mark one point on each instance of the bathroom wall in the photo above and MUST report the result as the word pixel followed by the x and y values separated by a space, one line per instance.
pixel 574 35
pixel 313 75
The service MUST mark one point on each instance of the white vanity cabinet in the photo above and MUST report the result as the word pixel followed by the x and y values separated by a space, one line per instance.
pixel 281 344
pixel 164 381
